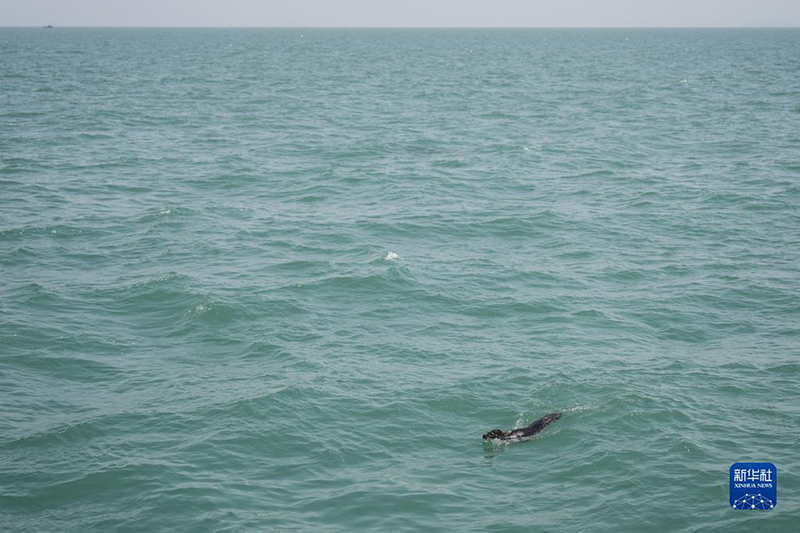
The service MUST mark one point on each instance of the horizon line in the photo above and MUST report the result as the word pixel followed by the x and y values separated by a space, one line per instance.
pixel 38 26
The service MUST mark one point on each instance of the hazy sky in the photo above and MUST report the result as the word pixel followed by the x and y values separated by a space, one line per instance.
pixel 402 13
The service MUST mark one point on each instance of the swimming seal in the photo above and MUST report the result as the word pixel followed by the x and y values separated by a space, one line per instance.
pixel 522 433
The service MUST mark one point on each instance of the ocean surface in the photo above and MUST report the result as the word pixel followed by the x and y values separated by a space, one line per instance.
pixel 284 280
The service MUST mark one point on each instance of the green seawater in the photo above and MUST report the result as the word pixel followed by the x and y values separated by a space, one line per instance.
pixel 284 280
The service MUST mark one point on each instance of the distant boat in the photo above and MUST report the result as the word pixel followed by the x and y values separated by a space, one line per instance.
pixel 48 27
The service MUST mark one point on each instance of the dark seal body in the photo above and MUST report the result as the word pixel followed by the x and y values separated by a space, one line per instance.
pixel 523 433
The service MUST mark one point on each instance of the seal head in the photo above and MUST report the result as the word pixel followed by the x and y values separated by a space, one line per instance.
pixel 494 434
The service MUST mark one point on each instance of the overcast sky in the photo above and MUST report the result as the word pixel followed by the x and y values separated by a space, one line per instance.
pixel 402 13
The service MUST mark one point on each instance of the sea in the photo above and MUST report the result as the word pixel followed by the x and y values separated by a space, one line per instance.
pixel 284 279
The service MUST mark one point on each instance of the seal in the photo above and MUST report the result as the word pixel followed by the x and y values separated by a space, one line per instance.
pixel 522 433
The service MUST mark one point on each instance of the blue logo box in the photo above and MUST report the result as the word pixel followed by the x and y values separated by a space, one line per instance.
pixel 754 486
